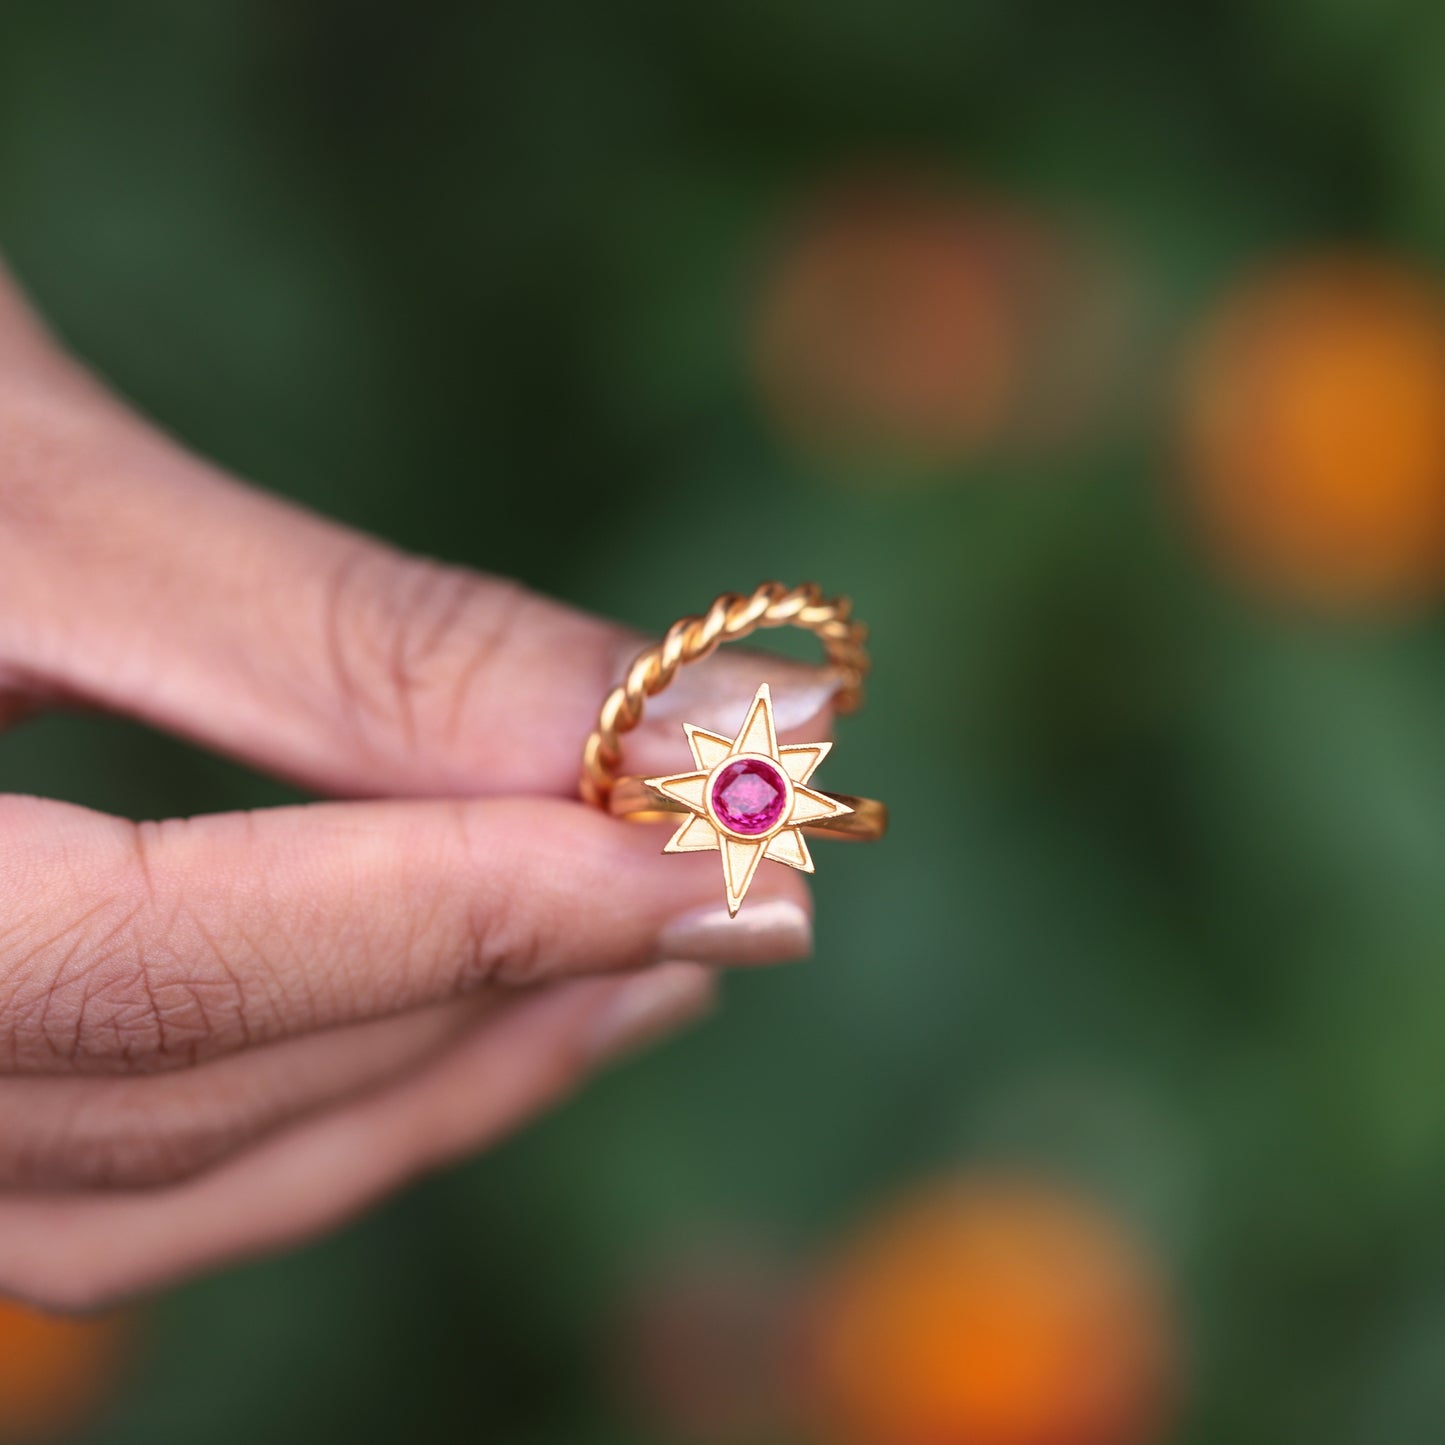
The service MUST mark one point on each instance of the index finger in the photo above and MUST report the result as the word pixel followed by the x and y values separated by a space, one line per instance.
pixel 137 576
pixel 140 946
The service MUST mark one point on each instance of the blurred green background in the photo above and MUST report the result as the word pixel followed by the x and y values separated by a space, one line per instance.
pixel 1163 913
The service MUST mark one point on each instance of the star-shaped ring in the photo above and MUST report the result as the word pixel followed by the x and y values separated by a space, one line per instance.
pixel 749 798
pixel 746 796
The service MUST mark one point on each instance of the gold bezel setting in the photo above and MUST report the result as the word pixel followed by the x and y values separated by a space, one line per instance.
pixel 710 799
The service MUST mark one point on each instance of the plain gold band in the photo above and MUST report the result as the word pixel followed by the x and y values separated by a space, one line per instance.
pixel 632 799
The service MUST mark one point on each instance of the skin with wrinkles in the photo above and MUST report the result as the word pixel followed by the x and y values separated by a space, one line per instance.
pixel 221 1035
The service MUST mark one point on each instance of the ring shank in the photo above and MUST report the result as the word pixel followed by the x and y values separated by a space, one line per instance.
pixel 691 639
pixel 632 799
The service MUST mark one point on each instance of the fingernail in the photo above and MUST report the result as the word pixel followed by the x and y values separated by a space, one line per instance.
pixel 798 698
pixel 646 1007
pixel 715 693
pixel 768 931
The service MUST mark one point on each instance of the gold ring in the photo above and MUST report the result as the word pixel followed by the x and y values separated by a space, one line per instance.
pixel 746 796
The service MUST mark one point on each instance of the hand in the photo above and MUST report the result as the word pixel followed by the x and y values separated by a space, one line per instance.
pixel 222 1035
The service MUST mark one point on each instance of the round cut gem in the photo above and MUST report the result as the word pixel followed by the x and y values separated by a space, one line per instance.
pixel 748 796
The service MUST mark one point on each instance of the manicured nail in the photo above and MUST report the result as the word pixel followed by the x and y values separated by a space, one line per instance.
pixel 768 931
pixel 715 694
pixel 646 1007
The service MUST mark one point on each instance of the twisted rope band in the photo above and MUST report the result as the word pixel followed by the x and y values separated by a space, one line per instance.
pixel 690 639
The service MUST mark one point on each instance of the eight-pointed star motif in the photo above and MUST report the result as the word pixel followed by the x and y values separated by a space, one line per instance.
pixel 748 798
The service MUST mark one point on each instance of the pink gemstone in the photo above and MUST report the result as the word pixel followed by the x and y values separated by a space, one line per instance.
pixel 749 795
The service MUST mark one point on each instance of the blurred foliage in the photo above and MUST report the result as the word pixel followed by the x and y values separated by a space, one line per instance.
pixel 1163 913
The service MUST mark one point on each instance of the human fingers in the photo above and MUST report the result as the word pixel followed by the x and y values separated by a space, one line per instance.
pixel 140 578
pixel 157 1129
pixel 136 947
pixel 79 1252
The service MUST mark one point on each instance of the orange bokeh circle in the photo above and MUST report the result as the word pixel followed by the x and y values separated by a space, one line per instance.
pixel 1314 433
pixel 894 320
pixel 54 1370
pixel 990 1312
